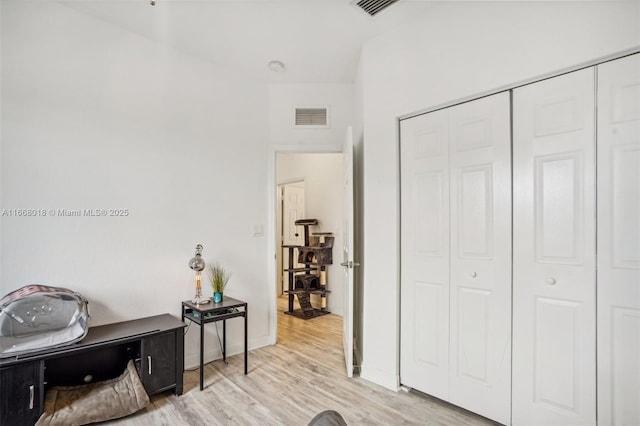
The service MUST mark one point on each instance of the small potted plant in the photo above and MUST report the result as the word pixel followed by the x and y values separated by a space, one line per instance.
pixel 219 279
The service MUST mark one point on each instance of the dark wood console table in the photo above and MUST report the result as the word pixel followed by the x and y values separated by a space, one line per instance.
pixel 212 312
pixel 156 344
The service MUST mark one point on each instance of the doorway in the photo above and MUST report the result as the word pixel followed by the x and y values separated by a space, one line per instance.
pixel 315 180
pixel 309 186
pixel 340 278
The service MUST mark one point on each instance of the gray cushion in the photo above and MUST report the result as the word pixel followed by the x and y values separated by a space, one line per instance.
pixel 94 402
pixel 328 418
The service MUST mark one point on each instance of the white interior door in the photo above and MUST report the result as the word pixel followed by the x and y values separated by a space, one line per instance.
pixel 480 257
pixel 347 253
pixel 619 242
pixel 424 260
pixel 293 208
pixel 554 342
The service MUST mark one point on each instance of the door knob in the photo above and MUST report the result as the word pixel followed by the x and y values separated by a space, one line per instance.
pixel 473 274
pixel 551 281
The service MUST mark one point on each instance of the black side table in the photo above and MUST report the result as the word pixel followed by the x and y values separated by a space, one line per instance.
pixel 212 312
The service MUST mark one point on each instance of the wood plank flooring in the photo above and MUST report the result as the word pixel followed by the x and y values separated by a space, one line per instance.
pixel 289 383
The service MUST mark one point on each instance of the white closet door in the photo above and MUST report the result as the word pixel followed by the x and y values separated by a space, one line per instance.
pixel 480 332
pixel 554 340
pixel 424 320
pixel 619 242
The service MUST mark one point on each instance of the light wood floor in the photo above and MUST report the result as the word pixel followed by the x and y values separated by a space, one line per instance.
pixel 289 383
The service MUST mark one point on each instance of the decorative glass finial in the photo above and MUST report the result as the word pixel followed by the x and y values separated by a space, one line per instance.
pixel 197 264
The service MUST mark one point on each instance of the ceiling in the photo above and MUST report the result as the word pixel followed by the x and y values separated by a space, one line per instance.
pixel 319 41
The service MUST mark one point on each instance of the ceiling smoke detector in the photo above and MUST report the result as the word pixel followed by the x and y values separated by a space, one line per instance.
pixel 372 7
pixel 277 66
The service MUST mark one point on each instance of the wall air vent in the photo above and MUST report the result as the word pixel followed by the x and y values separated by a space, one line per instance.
pixel 372 7
pixel 312 117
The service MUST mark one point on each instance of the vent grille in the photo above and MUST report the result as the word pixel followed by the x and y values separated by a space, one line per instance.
pixel 372 7
pixel 311 117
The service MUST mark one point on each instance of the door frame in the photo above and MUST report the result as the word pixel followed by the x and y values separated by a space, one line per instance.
pixel 280 187
pixel 511 86
pixel 272 188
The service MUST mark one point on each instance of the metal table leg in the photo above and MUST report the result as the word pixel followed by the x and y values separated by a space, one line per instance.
pixel 224 341
pixel 201 355
pixel 245 338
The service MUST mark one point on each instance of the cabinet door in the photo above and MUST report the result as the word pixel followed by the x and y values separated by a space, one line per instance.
pixel 554 342
pixel 158 355
pixel 21 388
pixel 480 277
pixel 619 242
pixel 424 348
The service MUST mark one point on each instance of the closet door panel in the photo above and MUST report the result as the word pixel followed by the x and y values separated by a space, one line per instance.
pixel 554 368
pixel 424 318
pixel 619 242
pixel 558 199
pixel 480 333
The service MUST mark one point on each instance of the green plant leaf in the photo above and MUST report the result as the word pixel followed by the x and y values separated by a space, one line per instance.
pixel 218 276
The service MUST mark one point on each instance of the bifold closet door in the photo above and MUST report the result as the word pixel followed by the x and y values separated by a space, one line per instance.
pixel 480 257
pixel 424 319
pixel 554 323
pixel 455 261
pixel 619 242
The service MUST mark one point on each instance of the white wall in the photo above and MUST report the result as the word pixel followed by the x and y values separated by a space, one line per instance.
pixel 456 50
pixel 94 117
pixel 284 98
pixel 1 132
pixel 323 177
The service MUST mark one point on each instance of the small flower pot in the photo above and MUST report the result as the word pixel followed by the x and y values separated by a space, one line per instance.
pixel 217 296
